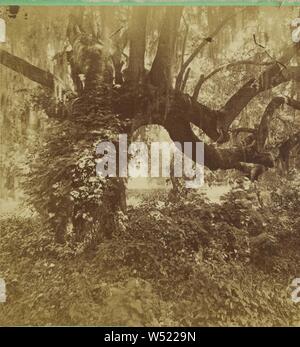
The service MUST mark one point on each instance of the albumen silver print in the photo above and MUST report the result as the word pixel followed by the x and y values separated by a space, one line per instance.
pixel 150 166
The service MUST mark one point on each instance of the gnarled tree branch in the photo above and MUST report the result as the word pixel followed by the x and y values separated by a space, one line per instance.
pixel 270 78
pixel 179 128
pixel 203 78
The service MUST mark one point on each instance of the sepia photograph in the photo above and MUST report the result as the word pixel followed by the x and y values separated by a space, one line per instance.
pixel 149 165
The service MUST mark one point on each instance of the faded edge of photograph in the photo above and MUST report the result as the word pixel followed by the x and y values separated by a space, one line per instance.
pixel 150 167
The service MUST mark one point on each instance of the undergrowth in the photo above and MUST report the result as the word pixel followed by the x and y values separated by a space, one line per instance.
pixel 189 263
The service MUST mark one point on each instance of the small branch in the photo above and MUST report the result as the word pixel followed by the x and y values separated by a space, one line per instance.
pixel 116 32
pixel 254 38
pixel 199 48
pixel 198 86
pixel 267 53
pixel 185 79
pixel 184 44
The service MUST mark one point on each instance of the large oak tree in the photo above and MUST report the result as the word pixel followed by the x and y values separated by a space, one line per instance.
pixel 156 96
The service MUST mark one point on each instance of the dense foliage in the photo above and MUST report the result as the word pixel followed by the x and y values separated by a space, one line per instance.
pixel 174 259
pixel 75 203
pixel 186 263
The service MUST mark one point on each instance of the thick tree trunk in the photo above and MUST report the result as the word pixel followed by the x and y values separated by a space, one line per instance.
pixel 137 33
pixel 264 126
pixel 161 71
pixel 284 152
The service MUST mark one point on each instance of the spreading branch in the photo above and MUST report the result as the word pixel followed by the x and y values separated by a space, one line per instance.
pixel 28 70
pixel 270 78
pixel 273 76
pixel 203 78
pixel 179 128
